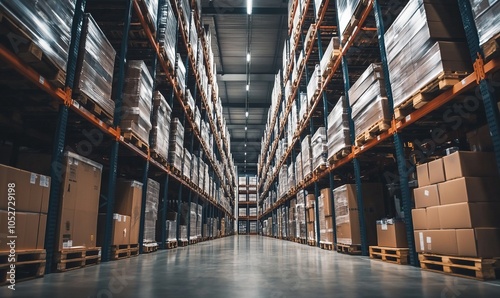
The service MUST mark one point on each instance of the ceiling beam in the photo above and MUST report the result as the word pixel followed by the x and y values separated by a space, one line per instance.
pixel 241 77
pixel 214 9
pixel 251 105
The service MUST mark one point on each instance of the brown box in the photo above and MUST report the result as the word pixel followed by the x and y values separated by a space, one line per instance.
pixel 310 200
pixel 128 202
pixel 326 193
pixel 347 214
pixel 426 196
pixel 391 234
pixel 432 219
pixel 311 215
pixel 469 189
pixel 436 171
pixel 79 202
pixel 479 242
pixel 121 229
pixel 31 190
pixel 437 241
pixel 419 217
pixel 423 175
pixel 470 164
pixel 469 215
pixel 311 228
pixel 29 229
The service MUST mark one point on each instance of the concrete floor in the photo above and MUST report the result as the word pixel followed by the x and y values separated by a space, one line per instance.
pixel 250 266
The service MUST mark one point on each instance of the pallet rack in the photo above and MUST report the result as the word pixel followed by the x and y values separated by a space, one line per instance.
pixel 247 219
pixel 119 156
pixel 399 131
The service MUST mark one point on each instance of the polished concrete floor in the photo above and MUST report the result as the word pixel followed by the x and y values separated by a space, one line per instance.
pixel 250 266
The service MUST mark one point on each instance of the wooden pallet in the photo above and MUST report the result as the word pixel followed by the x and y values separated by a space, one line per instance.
pixel 372 132
pixel 350 249
pixel 183 243
pixel 14 36
pixel 131 138
pixel 491 48
pixel 354 20
pixel 93 107
pixel 389 254
pixel 339 155
pixel 193 241
pixel 124 251
pixel 475 268
pixel 75 258
pixel 29 264
pixel 443 82
pixel 311 242
pixel 149 247
pixel 171 244
pixel 327 246
pixel 159 158
pixel 319 169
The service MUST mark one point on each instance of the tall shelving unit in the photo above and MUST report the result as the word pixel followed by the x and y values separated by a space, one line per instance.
pixel 74 127
pixel 247 205
pixel 388 153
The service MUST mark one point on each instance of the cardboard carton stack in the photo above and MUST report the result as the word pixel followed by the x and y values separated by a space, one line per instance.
pixel 319 148
pixel 298 168
pixel 160 132
pixel 457 206
pixel 128 202
pixel 242 227
pixel 338 129
pixel 171 226
pixel 80 202
pixel 301 214
pixel 306 156
pixel 151 213
pixel 28 194
pixel 314 84
pixel 180 74
pixel 151 12
pixel 304 106
pixel 167 31
pixel 347 215
pixel 349 13
pixel 311 217
pixel 186 164
pixel 325 216
pixel 184 235
pixel 330 56
pixel 391 233
pixel 253 227
pixel 292 219
pixel 176 148
pixel 487 19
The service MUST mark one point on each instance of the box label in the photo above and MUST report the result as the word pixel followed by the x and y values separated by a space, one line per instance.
pixel 429 242
pixel 33 178
pixel 384 227
pixel 426 193
pixel 421 238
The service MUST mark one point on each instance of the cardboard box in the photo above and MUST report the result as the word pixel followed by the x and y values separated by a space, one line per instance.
pixel 29 229
pixel 79 202
pixel 469 215
pixel 436 171
pixel 432 219
pixel 326 193
pixel 391 234
pixel 470 164
pixel 311 215
pixel 469 189
pixel 479 242
pixel 121 229
pixel 310 200
pixel 426 196
pixel 437 241
pixel 31 190
pixel 419 217
pixel 128 202
pixel 423 175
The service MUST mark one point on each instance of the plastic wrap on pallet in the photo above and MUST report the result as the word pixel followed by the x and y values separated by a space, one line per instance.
pixel 193 214
pixel 298 168
pixel 372 113
pixel 304 106
pixel 371 76
pixel 47 23
pixel 346 10
pixel 167 31
pixel 194 170
pixel 96 60
pixel 151 210
pixel 186 165
pixel 291 175
pixel 286 55
pixel 189 100
pixel 184 233
pixel 193 40
pixel 487 18
pixel 137 103
pixel 338 129
pixel 319 148
pixel 160 133
pixel 180 71
pixel 152 11
pixel 306 156
pixel 330 55
pixel 171 230
pixel 314 84
pixel 186 12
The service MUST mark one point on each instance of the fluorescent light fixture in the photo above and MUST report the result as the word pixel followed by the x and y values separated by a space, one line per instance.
pixel 249 7
pixel 246 114
pixel 248 57
pixel 246 128
pixel 245 144
pixel 245 153
pixel 248 87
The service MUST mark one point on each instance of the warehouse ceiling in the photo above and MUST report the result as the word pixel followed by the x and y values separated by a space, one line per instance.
pixel 228 23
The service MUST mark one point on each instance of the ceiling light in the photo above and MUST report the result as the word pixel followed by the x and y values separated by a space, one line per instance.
pixel 245 144
pixel 245 153
pixel 248 57
pixel 248 87
pixel 249 7
pixel 246 114
pixel 246 128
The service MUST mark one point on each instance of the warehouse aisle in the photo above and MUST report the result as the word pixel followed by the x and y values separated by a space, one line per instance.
pixel 250 266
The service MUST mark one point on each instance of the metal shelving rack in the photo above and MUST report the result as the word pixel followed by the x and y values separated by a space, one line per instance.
pixel 147 167
pixel 247 204
pixel 351 163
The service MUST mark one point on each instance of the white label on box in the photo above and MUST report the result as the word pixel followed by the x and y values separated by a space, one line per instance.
pixel 43 181
pixel 429 242
pixel 33 178
pixel 408 118
pixel 426 193
pixel 421 238
pixel 116 216
pixel 68 244
pixel 124 219
pixel 384 227
pixel 41 80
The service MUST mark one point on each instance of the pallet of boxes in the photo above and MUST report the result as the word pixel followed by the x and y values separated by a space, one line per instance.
pixel 311 219
pixel 347 215
pixel 456 222
pixel 23 217
pixel 149 243
pixel 325 219
pixel 392 243
pixel 171 230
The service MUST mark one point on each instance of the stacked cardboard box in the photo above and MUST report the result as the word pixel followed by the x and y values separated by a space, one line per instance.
pixel 242 227
pixel 176 148
pixel 186 13
pixel 306 156
pixel 160 132
pixel 242 211
pixel 487 18
pixel 368 99
pixel 186 164
pixel 304 106
pixel 128 201
pixel 325 216
pixel 420 46
pixel 199 219
pixel 167 31
pixel 121 229
pixel 193 221
pixel 311 216
pixel 152 12
pixel 349 13
pixel 28 194
pixel 319 148
pixel 194 169
pixel 298 168
pixel 391 233
pixel 291 175
pixel 80 202
pixel 253 227
pixel 137 104
pixel 193 40
pixel 252 197
pixel 184 233
pixel 301 214
pixel 314 84
pixel 338 129
pixel 330 56
pixel 347 214
pixel 151 211
pixel 96 61
pixel 171 226
pixel 242 197
pixel 457 206
pixel 180 74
